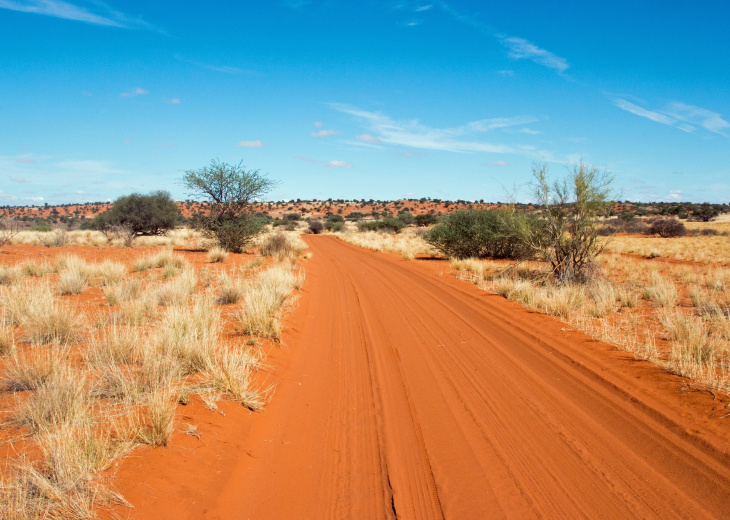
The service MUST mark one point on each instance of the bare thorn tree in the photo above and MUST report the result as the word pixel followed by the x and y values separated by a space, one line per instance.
pixel 9 227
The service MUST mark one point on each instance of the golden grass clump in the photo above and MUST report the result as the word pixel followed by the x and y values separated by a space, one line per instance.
pixel 30 370
pixel 229 290
pixel 230 372
pixel 163 259
pixel 408 243
pixel 217 255
pixel 123 291
pixel 59 399
pixel 178 290
pixel 10 275
pixel 159 422
pixel 661 291
pixel 281 245
pixel 110 273
pixel 263 299
pixel 43 318
pixel 7 341
pixel 189 335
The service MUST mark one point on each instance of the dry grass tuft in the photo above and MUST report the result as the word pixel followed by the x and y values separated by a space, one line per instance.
pixel 178 290
pixel 10 275
pixel 7 341
pixel 44 320
pixel 230 372
pixel 263 299
pixel 60 399
pixel 159 421
pixel 30 371
pixel 217 255
pixel 661 291
pixel 163 259
pixel 281 245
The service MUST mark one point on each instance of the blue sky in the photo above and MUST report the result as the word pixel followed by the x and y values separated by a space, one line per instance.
pixel 370 99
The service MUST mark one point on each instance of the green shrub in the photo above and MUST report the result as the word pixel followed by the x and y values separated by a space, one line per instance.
pixel 406 217
pixel 388 224
pixel 426 219
pixel 333 225
pixel 667 227
pixel 482 234
pixel 151 214
pixel 315 227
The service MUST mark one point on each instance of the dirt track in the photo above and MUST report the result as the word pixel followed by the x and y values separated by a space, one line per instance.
pixel 407 394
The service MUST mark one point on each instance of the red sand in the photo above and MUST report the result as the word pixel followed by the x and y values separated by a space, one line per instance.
pixel 404 393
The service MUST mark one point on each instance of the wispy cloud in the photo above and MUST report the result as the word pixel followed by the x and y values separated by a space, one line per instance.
pixel 521 49
pixel 95 12
pixel 708 119
pixel 367 138
pixel 424 8
pixel 250 144
pixel 679 115
pixel 87 166
pixel 135 92
pixel 496 163
pixel 324 133
pixel 413 134
pixel 642 112
pixel 338 164
pixel 223 69
pixel 308 160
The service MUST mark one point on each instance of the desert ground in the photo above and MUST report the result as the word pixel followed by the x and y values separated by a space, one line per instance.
pixel 387 381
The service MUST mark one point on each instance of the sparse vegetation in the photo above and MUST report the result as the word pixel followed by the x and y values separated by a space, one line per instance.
pixel 87 395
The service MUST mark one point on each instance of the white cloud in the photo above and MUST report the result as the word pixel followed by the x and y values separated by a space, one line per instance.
pixel 496 163
pixel 324 133
pixel 679 115
pixel 530 131
pixel 506 72
pixel 308 160
pixel 338 164
pixel 87 166
pixel 135 92
pixel 415 135
pixel 424 8
pixel 250 144
pixel 367 138
pixel 225 69
pixel 174 101
pixel 642 112
pixel 519 49
pixel 674 195
pixel 317 124
pixel 712 121
pixel 97 13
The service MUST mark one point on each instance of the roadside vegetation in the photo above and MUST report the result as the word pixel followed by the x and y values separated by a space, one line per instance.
pixel 654 285
pixel 84 383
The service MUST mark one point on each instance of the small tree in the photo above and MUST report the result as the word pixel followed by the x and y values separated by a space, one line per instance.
pixel 567 236
pixel 229 190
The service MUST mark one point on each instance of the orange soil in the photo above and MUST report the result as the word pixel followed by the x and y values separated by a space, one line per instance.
pixel 405 393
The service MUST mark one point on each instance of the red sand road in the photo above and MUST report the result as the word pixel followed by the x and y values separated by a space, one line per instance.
pixel 407 394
